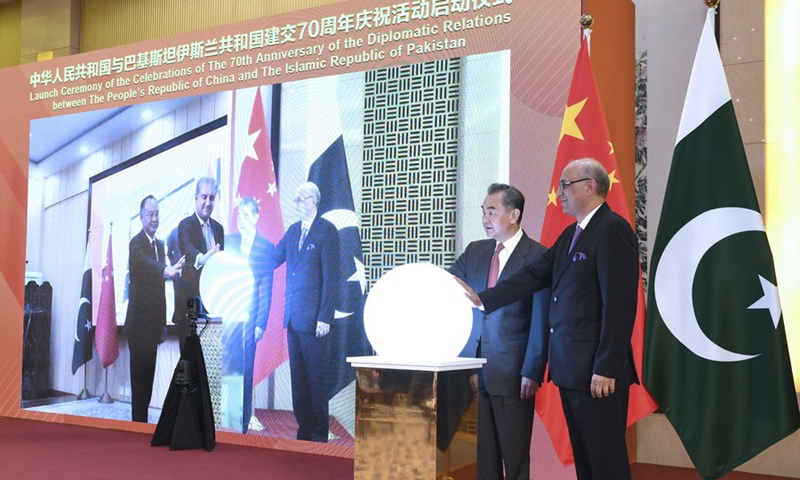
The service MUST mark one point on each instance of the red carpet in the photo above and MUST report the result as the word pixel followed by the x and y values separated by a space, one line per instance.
pixel 31 449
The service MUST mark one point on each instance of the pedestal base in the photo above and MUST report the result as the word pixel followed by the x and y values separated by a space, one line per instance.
pixel 407 423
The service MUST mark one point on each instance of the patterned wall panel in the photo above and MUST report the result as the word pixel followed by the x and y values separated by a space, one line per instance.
pixel 411 123
pixel 211 342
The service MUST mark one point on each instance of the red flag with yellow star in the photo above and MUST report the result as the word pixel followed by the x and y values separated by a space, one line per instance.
pixel 257 179
pixel 584 133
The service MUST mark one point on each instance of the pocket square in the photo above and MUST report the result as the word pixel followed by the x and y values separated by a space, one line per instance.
pixel 578 257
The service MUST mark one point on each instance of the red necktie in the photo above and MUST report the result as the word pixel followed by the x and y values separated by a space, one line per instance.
pixel 494 268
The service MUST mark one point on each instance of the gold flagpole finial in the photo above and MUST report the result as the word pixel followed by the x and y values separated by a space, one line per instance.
pixel 711 3
pixel 587 20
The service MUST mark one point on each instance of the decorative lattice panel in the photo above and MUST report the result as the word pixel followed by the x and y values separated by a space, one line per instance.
pixel 211 342
pixel 410 165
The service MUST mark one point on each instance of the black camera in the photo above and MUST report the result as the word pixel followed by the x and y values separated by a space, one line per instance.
pixel 195 309
pixel 184 373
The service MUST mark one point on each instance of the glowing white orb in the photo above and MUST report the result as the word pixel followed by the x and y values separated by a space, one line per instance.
pixel 417 312
pixel 226 286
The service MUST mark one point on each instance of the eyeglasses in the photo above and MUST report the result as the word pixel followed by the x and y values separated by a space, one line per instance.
pixel 565 183
pixel 301 199
pixel 150 215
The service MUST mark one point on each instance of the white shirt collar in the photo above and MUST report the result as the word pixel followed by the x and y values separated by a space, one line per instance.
pixel 588 217
pixel 510 244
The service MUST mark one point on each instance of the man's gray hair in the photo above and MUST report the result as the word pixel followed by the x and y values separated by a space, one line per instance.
pixel 591 168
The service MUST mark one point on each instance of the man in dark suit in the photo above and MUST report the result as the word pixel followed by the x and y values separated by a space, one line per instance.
pixel 240 337
pixel 513 339
pixel 199 237
pixel 310 249
pixel 147 305
pixel 593 273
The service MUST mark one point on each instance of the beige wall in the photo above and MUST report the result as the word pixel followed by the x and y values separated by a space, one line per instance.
pixel 10 33
pixel 111 23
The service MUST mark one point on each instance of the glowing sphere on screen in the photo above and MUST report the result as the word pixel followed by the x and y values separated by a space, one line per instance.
pixel 226 286
pixel 417 313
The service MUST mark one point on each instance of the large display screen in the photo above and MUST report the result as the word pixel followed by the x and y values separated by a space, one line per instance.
pixel 399 113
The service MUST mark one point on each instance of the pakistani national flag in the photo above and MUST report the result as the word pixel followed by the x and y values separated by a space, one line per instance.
pixel 716 358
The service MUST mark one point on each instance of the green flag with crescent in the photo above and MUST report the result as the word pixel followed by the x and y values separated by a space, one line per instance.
pixel 716 357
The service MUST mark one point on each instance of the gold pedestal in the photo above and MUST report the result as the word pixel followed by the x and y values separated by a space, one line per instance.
pixel 407 418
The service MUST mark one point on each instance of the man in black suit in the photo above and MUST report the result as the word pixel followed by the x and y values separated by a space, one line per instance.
pixel 593 273
pixel 199 237
pixel 240 337
pixel 310 249
pixel 147 305
pixel 513 339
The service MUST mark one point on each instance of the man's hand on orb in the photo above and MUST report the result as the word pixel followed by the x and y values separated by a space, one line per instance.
pixel 469 293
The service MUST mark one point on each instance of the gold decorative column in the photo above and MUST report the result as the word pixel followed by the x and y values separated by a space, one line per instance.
pixel 407 418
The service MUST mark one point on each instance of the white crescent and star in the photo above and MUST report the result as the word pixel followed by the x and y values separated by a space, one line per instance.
pixel 675 278
pixel 88 325
pixel 342 218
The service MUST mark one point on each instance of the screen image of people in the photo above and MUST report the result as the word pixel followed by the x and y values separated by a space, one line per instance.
pixel 199 237
pixel 146 317
pixel 258 201
pixel 240 337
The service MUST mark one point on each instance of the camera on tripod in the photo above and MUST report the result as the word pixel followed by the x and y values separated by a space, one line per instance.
pixel 195 311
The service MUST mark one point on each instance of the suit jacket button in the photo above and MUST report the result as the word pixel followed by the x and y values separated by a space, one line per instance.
pixel 555 299
pixel 552 330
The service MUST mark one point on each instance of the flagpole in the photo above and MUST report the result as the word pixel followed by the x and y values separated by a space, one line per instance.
pixel 85 393
pixel 587 20
pixel 106 397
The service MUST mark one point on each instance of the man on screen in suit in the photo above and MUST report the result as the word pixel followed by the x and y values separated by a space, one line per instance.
pixel 199 237
pixel 593 271
pixel 241 344
pixel 146 317
pixel 513 339
pixel 310 249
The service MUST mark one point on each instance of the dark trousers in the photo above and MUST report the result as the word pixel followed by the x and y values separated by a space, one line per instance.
pixel 308 362
pixel 143 370
pixel 597 433
pixel 504 435
pixel 238 358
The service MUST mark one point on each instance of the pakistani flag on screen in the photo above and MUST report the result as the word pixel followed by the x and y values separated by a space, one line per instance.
pixel 82 349
pixel 716 358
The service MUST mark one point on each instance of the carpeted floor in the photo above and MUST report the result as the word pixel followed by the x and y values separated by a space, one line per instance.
pixel 40 450
pixel 275 423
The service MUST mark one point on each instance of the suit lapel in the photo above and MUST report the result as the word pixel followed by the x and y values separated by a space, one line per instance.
pixel 309 236
pixel 517 258
pixel 564 256
pixel 484 263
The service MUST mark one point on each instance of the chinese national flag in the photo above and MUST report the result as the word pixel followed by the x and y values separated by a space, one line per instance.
pixel 584 133
pixel 106 330
pixel 257 179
